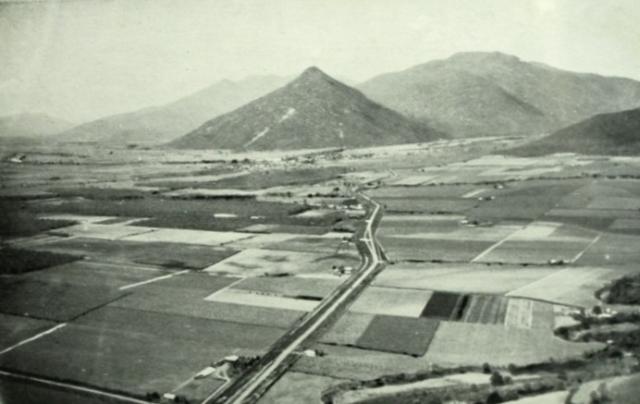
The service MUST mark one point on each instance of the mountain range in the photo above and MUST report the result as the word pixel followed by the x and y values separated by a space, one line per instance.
pixel 616 133
pixel 156 125
pixel 312 111
pixel 491 93
pixel 31 125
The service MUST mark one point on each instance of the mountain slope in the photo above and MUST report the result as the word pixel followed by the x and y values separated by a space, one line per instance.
pixel 480 93
pixel 31 125
pixel 164 123
pixel 313 111
pixel 616 133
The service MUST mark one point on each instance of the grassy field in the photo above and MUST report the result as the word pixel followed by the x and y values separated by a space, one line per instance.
pixel 261 180
pixel 139 351
pixel 17 222
pixel 18 261
pixel 415 249
pixel 464 278
pixel 185 295
pixel 289 286
pixel 535 252
pixel 391 301
pixel 404 335
pixel 190 256
pixel 296 387
pixel 52 300
pixel 15 391
pixel 348 329
pixel 574 286
pixel 250 298
pixel 358 364
pixel 457 343
pixel 259 262
pixel 192 213
pixel 14 329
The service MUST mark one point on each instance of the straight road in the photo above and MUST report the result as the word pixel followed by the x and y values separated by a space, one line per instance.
pixel 242 390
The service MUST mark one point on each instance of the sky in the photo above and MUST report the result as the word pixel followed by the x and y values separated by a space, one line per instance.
pixel 83 59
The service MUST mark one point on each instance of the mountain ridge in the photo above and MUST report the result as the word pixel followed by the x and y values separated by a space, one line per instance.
pixel 312 111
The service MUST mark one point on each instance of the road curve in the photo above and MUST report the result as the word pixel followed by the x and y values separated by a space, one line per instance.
pixel 240 391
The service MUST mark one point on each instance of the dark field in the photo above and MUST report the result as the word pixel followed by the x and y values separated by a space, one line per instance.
pixel 52 300
pixel 168 255
pixel 16 222
pixel 14 329
pixel 415 249
pixel 442 305
pixel 136 351
pixel 14 391
pixel 405 335
pixel 16 260
pixel 197 214
pixel 261 180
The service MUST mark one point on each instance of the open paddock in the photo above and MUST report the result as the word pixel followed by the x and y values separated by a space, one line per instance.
pixel 457 343
pixel 449 206
pixel 191 256
pixel 295 387
pixel 404 335
pixel 416 249
pixel 138 351
pixel 348 329
pixel 612 250
pixel 18 260
pixel 357 363
pixel 258 262
pixel 463 278
pixel 289 286
pixel 14 329
pixel 486 309
pixel 52 300
pixel 391 301
pixel 534 252
pixel 185 295
pixel 574 286
pixel 251 298
pixel 185 236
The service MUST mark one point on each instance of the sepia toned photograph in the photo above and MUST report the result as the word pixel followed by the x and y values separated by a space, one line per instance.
pixel 319 202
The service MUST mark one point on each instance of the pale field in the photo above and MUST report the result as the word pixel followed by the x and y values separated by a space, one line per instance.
pixel 348 329
pixel 493 233
pixel 421 217
pixel 573 286
pixel 296 388
pixel 211 192
pixel 555 397
pixel 77 218
pixel 621 389
pixel 261 240
pixel 105 231
pixel 519 313
pixel 359 364
pixel 314 213
pixel 613 202
pixel 204 237
pixel 474 344
pixel 534 251
pixel 251 298
pixel 391 301
pixel 410 180
pixel 257 262
pixel 387 391
pixel 461 278
pixel 289 286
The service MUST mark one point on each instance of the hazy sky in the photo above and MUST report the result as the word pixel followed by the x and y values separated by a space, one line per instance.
pixel 84 59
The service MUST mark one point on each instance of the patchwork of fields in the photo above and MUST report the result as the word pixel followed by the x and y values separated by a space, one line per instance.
pixel 135 285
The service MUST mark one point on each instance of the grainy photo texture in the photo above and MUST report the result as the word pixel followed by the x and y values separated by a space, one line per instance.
pixel 319 201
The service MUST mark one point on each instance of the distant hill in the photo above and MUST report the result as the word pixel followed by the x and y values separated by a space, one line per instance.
pixel 616 133
pixel 31 125
pixel 482 93
pixel 313 111
pixel 161 124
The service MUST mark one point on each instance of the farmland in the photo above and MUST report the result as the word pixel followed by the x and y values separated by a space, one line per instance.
pixel 133 281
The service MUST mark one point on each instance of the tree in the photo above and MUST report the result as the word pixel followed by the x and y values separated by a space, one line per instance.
pixel 496 378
